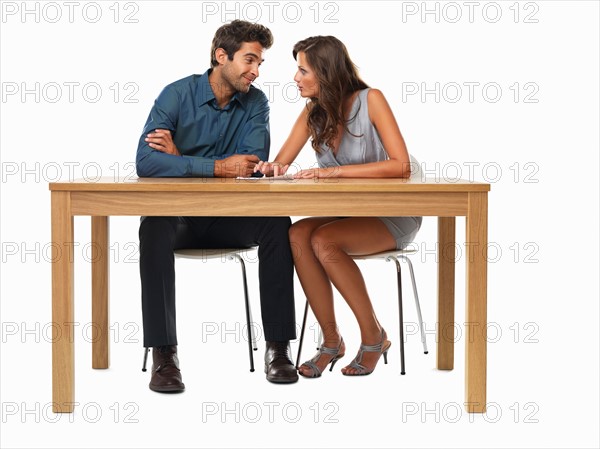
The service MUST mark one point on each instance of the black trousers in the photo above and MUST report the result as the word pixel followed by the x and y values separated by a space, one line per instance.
pixel 159 236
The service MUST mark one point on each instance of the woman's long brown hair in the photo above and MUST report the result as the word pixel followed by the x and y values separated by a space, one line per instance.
pixel 338 78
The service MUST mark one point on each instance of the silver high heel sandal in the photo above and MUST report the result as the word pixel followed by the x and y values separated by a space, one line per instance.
pixel 316 371
pixel 381 347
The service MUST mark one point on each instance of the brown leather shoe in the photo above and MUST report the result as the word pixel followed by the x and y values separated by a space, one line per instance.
pixel 278 364
pixel 166 377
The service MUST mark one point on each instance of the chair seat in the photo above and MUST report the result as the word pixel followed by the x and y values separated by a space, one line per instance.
pixel 386 254
pixel 205 254
pixel 227 254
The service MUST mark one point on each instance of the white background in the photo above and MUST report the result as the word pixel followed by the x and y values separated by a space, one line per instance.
pixel 538 149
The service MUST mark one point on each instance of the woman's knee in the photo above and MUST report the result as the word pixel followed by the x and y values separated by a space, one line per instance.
pixel 301 231
pixel 300 238
pixel 324 244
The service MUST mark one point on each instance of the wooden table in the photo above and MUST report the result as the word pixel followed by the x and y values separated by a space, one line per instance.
pixel 232 197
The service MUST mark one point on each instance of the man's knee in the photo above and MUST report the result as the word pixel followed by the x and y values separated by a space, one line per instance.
pixel 276 228
pixel 157 227
pixel 157 235
pixel 282 223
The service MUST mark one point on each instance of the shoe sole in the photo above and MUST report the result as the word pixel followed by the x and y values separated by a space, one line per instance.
pixel 171 389
pixel 280 381
pixel 355 375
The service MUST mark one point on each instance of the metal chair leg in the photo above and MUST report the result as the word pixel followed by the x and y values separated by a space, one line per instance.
pixel 400 314
pixel 414 286
pixel 146 351
pixel 320 338
pixel 250 326
pixel 302 335
pixel 251 339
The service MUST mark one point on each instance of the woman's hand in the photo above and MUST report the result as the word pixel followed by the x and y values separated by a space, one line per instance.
pixel 312 173
pixel 271 168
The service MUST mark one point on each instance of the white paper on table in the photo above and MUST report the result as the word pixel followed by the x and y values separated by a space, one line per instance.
pixel 269 178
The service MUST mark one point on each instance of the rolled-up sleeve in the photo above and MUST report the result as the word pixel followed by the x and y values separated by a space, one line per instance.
pixel 202 130
pixel 153 163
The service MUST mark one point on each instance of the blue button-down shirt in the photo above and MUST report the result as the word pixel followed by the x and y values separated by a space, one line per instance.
pixel 201 130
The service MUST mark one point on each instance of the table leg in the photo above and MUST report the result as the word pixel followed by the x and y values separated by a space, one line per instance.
pixel 476 306
pixel 63 371
pixel 446 259
pixel 100 292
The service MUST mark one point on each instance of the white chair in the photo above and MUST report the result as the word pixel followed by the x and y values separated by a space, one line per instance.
pixel 387 256
pixel 225 254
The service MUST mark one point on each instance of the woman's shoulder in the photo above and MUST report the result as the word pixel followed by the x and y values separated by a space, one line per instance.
pixel 377 104
pixel 374 95
pixel 376 100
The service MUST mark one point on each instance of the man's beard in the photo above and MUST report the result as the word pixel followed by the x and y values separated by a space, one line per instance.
pixel 236 82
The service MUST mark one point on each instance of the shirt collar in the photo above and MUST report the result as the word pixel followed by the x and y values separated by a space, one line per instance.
pixel 206 94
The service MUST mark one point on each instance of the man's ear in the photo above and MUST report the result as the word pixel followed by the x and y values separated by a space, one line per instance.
pixel 221 56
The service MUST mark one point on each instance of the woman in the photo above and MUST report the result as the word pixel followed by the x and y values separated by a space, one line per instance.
pixel 354 134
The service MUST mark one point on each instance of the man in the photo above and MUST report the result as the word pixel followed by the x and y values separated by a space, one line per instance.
pixel 215 124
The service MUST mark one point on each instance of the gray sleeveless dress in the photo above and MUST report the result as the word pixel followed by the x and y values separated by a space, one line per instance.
pixel 367 147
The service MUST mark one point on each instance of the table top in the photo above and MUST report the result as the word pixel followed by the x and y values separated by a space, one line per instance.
pixel 274 185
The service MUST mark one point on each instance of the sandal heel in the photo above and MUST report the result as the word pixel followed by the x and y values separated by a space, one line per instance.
pixel 334 361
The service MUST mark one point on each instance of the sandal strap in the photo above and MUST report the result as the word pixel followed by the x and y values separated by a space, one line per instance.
pixel 316 371
pixel 354 364
pixel 333 352
pixel 372 348
pixel 366 348
pixel 329 351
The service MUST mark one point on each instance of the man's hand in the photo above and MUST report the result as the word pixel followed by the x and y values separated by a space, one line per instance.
pixel 161 140
pixel 236 165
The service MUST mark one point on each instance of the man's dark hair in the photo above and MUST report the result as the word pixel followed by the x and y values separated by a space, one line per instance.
pixel 230 37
